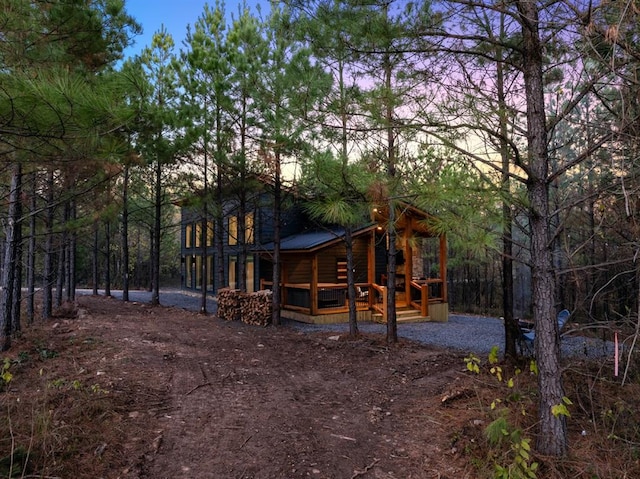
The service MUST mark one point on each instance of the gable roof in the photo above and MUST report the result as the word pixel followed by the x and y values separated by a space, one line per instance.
pixel 313 240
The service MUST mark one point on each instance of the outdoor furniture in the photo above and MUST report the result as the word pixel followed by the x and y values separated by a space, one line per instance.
pixel 331 297
pixel 528 333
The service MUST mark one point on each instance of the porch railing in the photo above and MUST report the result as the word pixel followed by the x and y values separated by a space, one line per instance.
pixel 379 301
pixel 330 298
pixel 420 294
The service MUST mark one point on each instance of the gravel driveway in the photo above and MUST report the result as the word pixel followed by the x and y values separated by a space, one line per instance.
pixel 477 334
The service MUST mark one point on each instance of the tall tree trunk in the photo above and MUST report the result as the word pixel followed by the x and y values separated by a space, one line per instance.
pixel 150 273
pixel 205 223
pixel 60 270
pixel 95 258
pixel 552 437
pixel 125 234
pixel 47 289
pixel 220 213
pixel 392 326
pixel 348 233
pixel 16 309
pixel 62 256
pixel 242 210
pixel 107 258
pixel 204 270
pixel 10 260
pixel 277 232
pixel 31 255
pixel 139 260
pixel 157 229
pixel 152 254
pixel 73 245
pixel 242 237
pixel 511 329
pixel 220 229
pixel 351 283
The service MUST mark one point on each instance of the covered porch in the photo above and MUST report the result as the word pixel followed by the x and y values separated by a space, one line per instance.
pixel 314 274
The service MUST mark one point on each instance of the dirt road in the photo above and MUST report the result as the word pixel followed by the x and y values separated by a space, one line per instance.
pixel 134 391
pixel 130 391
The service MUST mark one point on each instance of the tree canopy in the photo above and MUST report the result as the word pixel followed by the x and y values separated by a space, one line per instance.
pixel 515 125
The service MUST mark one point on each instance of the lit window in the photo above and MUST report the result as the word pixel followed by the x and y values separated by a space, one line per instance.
pixel 198 235
pixel 233 230
pixel 198 272
pixel 210 273
pixel 188 271
pixel 188 236
pixel 250 274
pixel 210 231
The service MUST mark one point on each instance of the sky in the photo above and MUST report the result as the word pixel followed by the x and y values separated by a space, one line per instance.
pixel 175 15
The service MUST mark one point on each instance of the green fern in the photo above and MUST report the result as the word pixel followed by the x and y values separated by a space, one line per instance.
pixel 497 430
pixel 521 466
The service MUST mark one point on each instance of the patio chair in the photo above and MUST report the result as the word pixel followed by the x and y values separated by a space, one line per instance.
pixel 528 333
pixel 362 294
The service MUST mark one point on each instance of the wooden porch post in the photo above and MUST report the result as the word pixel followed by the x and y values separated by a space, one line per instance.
pixel 408 261
pixel 443 267
pixel 424 300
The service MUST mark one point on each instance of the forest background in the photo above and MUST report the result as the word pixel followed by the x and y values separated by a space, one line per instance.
pixel 515 124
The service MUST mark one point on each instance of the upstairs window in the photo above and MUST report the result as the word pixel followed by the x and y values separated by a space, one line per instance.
pixel 198 234
pixel 248 229
pixel 210 231
pixel 233 230
pixel 188 236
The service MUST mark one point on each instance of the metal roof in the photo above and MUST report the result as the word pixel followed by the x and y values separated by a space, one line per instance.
pixel 313 239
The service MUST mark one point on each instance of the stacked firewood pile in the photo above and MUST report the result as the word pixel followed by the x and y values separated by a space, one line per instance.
pixel 256 308
pixel 251 308
pixel 229 304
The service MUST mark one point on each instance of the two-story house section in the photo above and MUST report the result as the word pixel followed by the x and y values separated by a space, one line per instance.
pixel 313 260
pixel 242 232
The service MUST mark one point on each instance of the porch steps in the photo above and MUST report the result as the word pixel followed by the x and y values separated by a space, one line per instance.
pixel 404 316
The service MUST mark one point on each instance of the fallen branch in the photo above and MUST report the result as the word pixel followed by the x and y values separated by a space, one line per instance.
pixel 357 473
pixel 245 441
pixel 198 387
pixel 346 438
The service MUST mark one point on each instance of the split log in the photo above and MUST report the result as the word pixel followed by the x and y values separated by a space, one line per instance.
pixel 256 308
pixel 229 304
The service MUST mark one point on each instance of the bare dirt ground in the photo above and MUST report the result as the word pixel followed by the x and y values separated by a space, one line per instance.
pixel 125 390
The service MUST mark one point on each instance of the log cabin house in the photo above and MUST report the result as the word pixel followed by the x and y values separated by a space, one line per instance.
pixel 314 267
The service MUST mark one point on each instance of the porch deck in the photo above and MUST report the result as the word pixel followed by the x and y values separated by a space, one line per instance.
pixel 328 302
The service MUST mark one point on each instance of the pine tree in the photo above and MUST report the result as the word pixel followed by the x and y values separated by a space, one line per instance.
pixel 290 89
pixel 156 141
pixel 53 108
pixel 206 79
